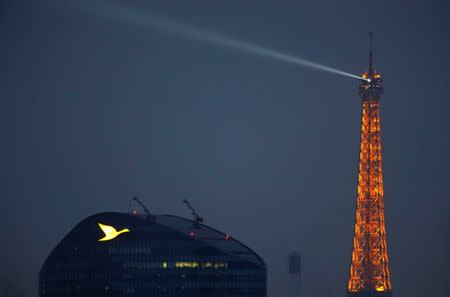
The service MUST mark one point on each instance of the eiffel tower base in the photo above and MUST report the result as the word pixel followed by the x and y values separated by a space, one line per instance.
pixel 369 294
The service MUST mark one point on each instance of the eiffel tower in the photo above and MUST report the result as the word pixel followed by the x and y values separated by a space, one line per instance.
pixel 369 271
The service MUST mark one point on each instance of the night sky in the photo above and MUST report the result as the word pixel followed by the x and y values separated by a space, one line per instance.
pixel 95 110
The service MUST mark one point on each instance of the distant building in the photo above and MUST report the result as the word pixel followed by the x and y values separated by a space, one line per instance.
pixel 117 254
pixel 294 277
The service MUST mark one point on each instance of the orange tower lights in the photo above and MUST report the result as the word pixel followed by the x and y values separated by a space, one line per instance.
pixel 369 271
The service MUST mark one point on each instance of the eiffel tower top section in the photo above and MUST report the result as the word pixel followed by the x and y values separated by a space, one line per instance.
pixel 371 87
pixel 369 270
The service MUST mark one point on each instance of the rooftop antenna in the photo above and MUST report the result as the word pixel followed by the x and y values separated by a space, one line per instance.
pixel 197 218
pixel 148 214
pixel 370 53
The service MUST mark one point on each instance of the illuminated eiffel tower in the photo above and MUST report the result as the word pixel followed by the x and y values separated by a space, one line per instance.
pixel 369 272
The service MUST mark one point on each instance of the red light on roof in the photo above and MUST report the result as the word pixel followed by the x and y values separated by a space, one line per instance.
pixel 227 236
pixel 134 211
pixel 192 234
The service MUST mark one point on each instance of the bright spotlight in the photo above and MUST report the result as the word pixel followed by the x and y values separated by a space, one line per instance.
pixel 167 25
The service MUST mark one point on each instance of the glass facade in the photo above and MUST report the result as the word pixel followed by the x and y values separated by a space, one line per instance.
pixel 130 255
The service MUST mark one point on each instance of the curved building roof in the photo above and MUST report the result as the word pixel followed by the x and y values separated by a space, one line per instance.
pixel 163 227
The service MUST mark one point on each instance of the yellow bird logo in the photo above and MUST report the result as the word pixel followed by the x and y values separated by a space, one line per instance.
pixel 110 232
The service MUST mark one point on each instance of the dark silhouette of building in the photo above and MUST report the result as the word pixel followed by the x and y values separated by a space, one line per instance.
pixel 369 271
pixel 294 274
pixel 118 254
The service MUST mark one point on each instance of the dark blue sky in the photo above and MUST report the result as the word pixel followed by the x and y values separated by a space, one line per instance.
pixel 97 110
